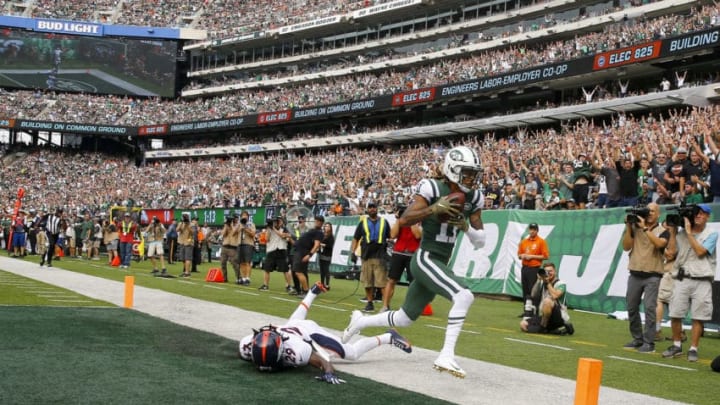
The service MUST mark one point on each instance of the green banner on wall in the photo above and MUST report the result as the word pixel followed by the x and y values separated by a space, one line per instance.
pixel 584 245
pixel 216 216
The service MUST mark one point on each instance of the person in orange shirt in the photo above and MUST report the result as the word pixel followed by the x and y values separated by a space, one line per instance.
pixel 532 251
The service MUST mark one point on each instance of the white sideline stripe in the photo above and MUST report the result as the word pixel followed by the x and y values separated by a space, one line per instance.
pixel 212 286
pixel 55 306
pixel 186 282
pixel 330 308
pixel 70 300
pixel 314 305
pixel 538 344
pixel 58 295
pixel 589 312
pixel 48 291
pixel 463 330
pixel 652 363
pixel 13 80
pixel 21 284
pixel 284 299
pixel 247 293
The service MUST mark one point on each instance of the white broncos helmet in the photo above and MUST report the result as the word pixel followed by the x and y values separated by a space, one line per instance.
pixel 459 159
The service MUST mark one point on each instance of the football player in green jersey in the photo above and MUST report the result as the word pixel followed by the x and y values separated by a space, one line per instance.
pixel 442 218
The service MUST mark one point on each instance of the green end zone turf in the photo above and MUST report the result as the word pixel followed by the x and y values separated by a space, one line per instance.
pixel 18 290
pixel 113 355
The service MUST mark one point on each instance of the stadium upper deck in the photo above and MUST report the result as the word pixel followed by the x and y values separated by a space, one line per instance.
pixel 219 17
pixel 457 65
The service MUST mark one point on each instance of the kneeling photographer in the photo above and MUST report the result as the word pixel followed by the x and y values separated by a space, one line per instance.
pixel 549 313
pixel 645 240
pixel 693 248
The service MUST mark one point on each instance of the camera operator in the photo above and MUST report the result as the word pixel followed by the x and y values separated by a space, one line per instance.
pixel 547 296
pixel 186 242
pixel 276 257
pixel 155 232
pixel 230 242
pixel 110 238
pixel 645 240
pixel 693 248
pixel 198 237
pixel 246 249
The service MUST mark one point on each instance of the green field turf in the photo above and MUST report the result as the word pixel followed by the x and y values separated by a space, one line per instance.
pixel 118 356
pixel 83 82
pixel 17 290
pixel 491 332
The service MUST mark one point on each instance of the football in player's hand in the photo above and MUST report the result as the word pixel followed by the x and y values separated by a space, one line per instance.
pixel 457 199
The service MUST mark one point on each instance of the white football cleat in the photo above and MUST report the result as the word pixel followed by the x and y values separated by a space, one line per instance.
pixel 352 328
pixel 448 364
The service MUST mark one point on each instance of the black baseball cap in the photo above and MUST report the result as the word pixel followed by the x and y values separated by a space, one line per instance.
pixel 533 226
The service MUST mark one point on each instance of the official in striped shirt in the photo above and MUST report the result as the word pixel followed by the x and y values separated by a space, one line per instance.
pixel 52 227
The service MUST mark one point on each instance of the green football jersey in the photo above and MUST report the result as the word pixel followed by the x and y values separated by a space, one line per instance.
pixel 439 238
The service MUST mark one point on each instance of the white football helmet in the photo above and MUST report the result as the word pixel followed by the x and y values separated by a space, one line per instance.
pixel 462 167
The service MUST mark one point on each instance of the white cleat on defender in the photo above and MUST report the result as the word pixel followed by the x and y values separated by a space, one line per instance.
pixel 448 364
pixel 352 328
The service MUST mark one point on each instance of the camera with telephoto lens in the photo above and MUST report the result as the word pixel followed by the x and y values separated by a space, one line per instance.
pixel 542 273
pixel 635 213
pixel 243 221
pixel 683 211
pixel 186 218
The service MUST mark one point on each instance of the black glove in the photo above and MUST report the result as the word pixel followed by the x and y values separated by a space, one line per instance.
pixel 330 378
pixel 443 206
pixel 353 258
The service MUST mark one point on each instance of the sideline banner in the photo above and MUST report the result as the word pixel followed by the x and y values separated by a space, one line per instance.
pixel 216 216
pixel 584 245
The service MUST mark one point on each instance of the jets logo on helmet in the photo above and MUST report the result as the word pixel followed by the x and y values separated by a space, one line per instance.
pixel 267 349
pixel 462 167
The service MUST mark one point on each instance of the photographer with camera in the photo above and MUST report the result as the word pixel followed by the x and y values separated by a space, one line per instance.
pixel 155 232
pixel 246 248
pixel 186 244
pixel 693 249
pixel 230 241
pixel 110 239
pixel 645 239
pixel 548 296
pixel 532 251
pixel 278 238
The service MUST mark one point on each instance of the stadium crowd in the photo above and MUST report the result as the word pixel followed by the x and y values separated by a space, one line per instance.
pixel 351 176
pixel 454 40
pixel 219 17
pixel 122 110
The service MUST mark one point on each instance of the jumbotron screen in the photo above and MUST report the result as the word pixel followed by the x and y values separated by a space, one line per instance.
pixel 105 65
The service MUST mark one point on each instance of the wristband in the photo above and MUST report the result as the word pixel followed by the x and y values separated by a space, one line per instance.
pixel 476 237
